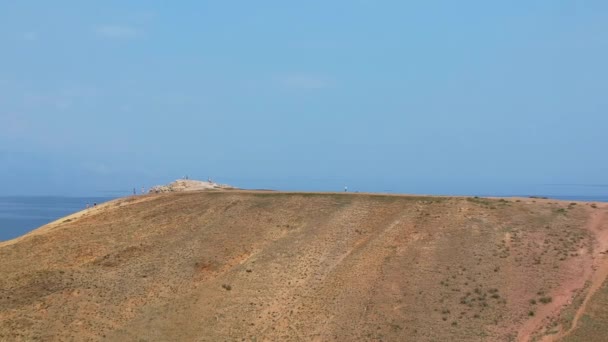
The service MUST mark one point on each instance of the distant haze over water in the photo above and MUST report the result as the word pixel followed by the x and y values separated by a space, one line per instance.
pixel 21 214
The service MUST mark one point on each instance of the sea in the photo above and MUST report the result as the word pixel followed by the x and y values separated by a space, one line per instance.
pixel 21 214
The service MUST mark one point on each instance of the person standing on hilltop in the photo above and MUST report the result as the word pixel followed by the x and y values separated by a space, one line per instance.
pixel 345 189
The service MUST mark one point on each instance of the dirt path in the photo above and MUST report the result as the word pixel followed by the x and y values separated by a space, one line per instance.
pixel 599 227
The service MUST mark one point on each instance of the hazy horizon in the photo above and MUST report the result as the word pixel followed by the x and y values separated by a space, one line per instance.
pixel 585 192
pixel 438 97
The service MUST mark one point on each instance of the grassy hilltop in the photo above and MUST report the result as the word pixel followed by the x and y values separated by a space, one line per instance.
pixel 244 265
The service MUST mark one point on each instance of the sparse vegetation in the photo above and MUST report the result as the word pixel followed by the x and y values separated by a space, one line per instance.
pixel 430 261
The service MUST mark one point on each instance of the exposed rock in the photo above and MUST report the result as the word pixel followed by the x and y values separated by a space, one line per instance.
pixel 189 185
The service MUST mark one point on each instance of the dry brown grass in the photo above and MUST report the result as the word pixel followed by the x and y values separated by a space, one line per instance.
pixel 281 267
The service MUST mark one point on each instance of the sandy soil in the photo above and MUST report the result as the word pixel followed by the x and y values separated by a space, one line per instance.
pixel 243 265
pixel 598 272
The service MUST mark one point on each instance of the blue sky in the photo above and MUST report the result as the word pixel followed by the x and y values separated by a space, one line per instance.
pixel 426 96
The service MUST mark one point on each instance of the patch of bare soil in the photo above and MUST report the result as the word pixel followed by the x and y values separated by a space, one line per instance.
pixel 242 265
pixel 598 225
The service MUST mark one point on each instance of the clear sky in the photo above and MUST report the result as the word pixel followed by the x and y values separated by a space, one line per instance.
pixel 405 96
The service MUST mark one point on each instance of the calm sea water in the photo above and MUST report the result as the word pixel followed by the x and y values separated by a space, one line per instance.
pixel 19 215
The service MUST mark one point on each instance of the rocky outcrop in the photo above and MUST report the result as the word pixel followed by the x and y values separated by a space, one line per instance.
pixel 189 185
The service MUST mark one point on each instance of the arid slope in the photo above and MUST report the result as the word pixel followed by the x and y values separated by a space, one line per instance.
pixel 204 266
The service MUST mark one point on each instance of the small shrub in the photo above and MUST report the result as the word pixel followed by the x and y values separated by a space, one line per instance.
pixel 533 301
pixel 530 313
pixel 227 287
pixel 545 300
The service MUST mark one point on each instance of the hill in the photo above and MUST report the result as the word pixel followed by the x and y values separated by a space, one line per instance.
pixel 239 265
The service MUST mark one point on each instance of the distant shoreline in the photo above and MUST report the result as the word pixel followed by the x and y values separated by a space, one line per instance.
pixel 581 198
